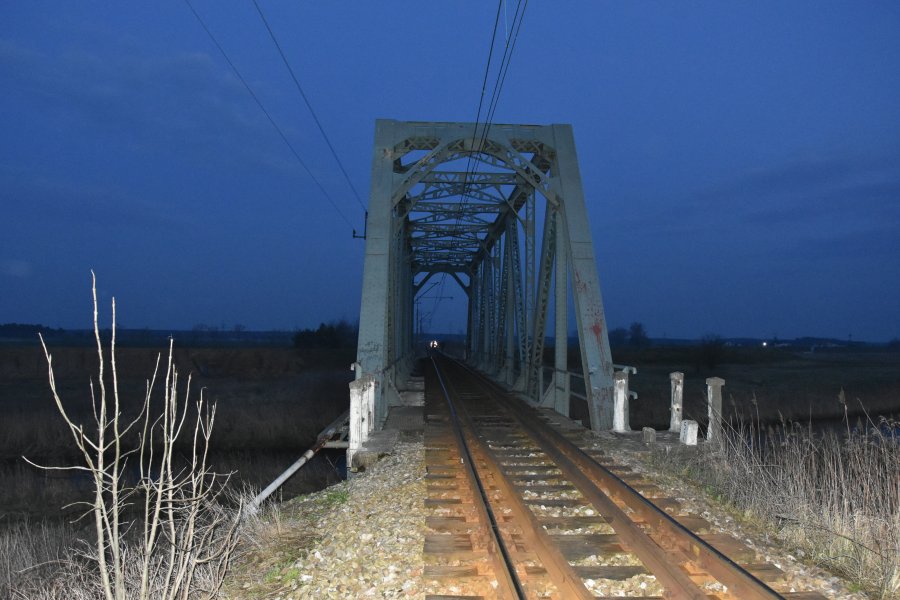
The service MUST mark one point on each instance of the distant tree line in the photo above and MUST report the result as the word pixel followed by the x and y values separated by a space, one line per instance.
pixel 336 334
pixel 635 336
pixel 25 330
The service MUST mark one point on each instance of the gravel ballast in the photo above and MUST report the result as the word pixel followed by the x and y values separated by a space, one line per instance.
pixel 364 538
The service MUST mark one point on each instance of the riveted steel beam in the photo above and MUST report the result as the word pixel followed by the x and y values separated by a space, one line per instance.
pixel 479 226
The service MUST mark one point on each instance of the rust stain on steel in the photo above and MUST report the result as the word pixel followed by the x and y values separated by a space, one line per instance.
pixel 599 484
pixel 535 538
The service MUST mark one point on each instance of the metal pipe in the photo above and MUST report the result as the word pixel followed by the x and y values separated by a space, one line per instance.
pixel 321 440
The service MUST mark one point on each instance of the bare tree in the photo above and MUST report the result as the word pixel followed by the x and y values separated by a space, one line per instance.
pixel 182 542
pixel 637 335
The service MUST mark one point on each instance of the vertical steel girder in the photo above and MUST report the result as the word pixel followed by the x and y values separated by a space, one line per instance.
pixel 561 401
pixel 518 297
pixel 542 304
pixel 431 214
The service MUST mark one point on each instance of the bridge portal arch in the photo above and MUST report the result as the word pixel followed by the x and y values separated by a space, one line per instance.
pixel 458 200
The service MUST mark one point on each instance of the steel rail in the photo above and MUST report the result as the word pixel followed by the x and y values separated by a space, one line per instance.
pixel 740 582
pixel 676 582
pixel 558 568
pixel 507 578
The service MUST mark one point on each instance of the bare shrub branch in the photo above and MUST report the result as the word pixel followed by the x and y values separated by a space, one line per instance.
pixel 182 536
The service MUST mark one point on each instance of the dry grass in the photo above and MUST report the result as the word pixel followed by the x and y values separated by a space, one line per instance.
pixel 31 554
pixel 159 533
pixel 271 539
pixel 281 413
pixel 50 560
pixel 832 497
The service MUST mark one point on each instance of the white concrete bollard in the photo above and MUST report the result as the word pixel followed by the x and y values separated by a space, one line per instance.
pixel 649 435
pixel 676 410
pixel 689 432
pixel 362 413
pixel 620 407
pixel 714 403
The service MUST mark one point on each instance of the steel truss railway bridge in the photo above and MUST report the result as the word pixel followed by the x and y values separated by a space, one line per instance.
pixel 501 210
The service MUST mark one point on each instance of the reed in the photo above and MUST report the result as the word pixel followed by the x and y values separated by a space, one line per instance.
pixel 832 497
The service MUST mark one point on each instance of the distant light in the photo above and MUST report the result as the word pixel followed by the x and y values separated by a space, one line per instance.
pixel 433 344
pixel 765 344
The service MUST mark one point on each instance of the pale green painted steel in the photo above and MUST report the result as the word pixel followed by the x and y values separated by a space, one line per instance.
pixel 593 340
pixel 429 213
pixel 561 401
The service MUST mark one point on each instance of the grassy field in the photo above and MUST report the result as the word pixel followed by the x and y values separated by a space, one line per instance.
pixel 810 452
pixel 271 403
pixel 768 385
pixel 831 496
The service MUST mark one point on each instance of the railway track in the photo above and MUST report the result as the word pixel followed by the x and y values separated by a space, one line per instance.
pixel 522 508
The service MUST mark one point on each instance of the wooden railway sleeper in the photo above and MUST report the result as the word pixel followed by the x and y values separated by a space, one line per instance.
pixel 567 581
pixel 589 476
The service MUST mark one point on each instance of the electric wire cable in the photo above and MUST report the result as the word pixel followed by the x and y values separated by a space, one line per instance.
pixel 487 69
pixel 267 114
pixel 307 102
pixel 501 76
pixel 504 69
pixel 518 17
pixel 466 173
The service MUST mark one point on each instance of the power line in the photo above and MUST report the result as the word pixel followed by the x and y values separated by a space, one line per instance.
pixel 306 101
pixel 266 113
pixel 504 69
pixel 487 70
pixel 495 98
pixel 495 94
pixel 469 168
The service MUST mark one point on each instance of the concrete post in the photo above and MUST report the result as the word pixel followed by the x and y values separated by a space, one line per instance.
pixel 620 406
pixel 362 413
pixel 677 379
pixel 714 403
pixel 688 435
pixel 649 435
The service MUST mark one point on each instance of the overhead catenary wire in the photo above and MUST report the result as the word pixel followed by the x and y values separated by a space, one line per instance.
pixel 267 114
pixel 306 101
pixel 498 88
pixel 504 69
pixel 487 70
pixel 518 17
pixel 469 170
pixel 504 65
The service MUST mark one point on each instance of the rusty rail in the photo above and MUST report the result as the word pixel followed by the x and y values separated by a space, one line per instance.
pixel 601 487
pixel 558 568
pixel 509 585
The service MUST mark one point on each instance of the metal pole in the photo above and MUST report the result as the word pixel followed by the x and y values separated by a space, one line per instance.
pixel 321 440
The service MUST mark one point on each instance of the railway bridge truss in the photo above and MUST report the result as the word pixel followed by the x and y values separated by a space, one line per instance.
pixel 500 209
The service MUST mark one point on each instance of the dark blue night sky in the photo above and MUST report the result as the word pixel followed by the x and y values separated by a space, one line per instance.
pixel 741 161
